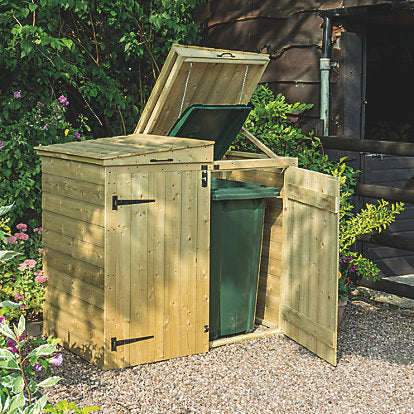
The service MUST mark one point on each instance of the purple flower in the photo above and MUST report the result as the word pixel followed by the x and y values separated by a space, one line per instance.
pixel 38 367
pixel 58 117
pixel 2 144
pixel 46 126
pixel 62 99
pixel 57 107
pixel 17 94
pixel 57 360
pixel 42 105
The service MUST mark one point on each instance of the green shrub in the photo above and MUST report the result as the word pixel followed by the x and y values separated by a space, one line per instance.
pixel 104 56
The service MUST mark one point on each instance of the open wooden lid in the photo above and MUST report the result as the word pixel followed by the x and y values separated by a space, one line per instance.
pixel 196 75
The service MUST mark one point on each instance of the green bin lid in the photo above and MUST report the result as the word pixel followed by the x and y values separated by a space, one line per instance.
pixel 219 123
pixel 237 190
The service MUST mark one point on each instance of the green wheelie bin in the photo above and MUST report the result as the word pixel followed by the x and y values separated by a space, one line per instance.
pixel 237 215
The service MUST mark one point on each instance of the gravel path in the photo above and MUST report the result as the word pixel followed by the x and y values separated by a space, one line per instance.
pixel 375 374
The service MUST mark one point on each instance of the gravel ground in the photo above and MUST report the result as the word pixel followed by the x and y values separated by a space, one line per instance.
pixel 375 374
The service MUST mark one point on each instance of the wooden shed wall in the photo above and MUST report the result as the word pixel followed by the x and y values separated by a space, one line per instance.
pixel 73 243
pixel 291 32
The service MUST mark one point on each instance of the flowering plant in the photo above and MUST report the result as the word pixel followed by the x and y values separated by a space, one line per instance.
pixel 22 278
pixel 20 131
pixel 346 277
pixel 18 385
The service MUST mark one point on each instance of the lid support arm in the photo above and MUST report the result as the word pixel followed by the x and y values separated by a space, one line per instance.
pixel 258 143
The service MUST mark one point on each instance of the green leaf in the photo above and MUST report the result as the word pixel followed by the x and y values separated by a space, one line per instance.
pixel 32 7
pixel 6 331
pixel 21 326
pixel 49 382
pixel 18 385
pixel 17 402
pixel 5 354
pixel 42 350
pixel 9 304
pixel 5 209
pixel 9 364
pixel 6 255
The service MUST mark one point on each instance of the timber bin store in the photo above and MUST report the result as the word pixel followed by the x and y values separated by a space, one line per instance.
pixel 127 229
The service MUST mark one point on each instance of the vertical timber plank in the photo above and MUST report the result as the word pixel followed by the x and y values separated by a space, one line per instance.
pixel 173 192
pixel 188 262
pixel 203 266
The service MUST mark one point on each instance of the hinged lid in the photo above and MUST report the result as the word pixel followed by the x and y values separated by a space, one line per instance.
pixel 196 75
pixel 132 149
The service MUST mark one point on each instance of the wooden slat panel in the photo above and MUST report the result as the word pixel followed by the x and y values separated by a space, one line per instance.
pixel 77 229
pixel 89 317
pixel 310 266
pixel 74 170
pixel 71 188
pixel 78 249
pixel 58 324
pixel 76 209
pixel 220 83
pixel 74 286
pixel 79 269
pixel 313 198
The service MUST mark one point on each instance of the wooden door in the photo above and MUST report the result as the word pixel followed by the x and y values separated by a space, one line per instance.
pixel 310 261
pixel 157 267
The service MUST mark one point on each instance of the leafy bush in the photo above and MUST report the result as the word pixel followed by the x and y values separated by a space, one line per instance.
pixel 104 56
pixel 269 121
pixel 20 178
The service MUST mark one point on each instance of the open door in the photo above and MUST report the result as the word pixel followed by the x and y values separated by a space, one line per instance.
pixel 309 306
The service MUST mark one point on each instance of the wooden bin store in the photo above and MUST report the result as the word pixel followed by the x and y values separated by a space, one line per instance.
pixel 127 231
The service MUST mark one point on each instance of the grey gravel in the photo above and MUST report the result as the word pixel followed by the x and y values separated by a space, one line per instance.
pixel 375 374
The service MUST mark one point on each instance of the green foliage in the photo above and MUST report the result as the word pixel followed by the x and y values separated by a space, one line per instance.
pixel 20 178
pixel 19 376
pixel 104 56
pixel 270 122
pixel 21 275
pixel 64 407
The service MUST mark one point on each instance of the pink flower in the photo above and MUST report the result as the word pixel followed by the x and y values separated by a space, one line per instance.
pixel 38 230
pixel 22 306
pixel 40 251
pixel 22 227
pixel 12 239
pixel 41 278
pixel 30 262
pixel 57 360
pixel 63 100
pixel 42 105
pixel 18 296
pixel 57 107
pixel 2 144
pixel 17 94
pixel 21 236
pixel 22 267
pixel 2 318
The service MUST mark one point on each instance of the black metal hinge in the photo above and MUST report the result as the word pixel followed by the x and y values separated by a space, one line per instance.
pixel 206 328
pixel 115 343
pixel 116 202
pixel 204 182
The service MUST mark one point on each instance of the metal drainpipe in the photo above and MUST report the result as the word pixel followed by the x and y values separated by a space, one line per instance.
pixel 325 66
